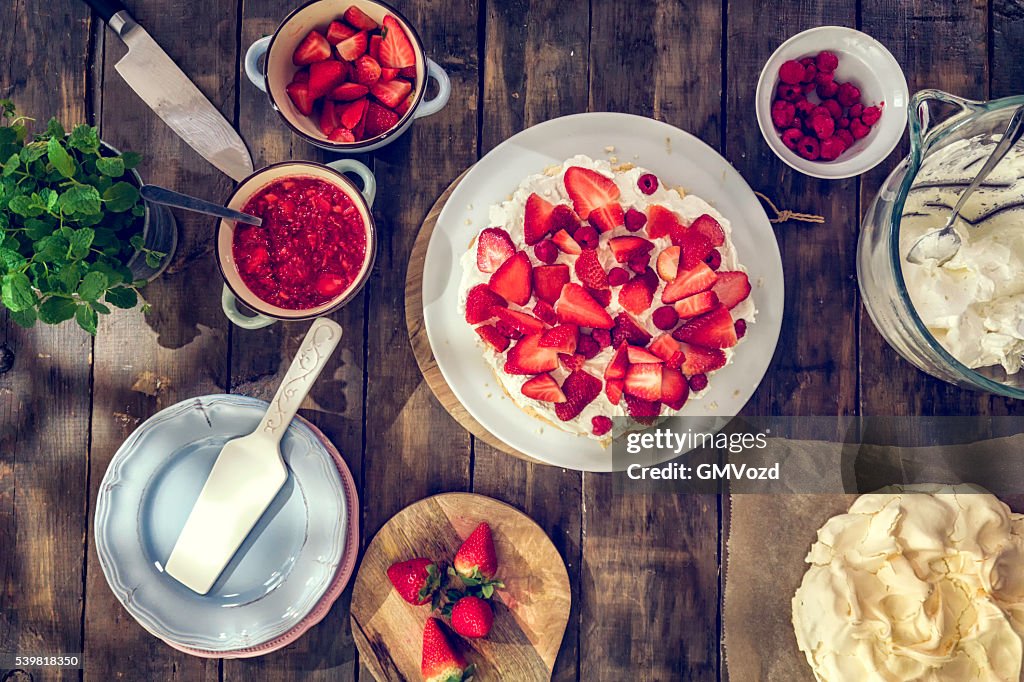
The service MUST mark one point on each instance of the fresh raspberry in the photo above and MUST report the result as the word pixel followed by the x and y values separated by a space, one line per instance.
pixel 602 336
pixel 846 136
pixel 651 279
pixel 635 220
pixel 587 346
pixel 856 110
pixel 546 251
pixel 545 313
pixel 638 262
pixel 808 88
pixel 808 148
pixel 648 183
pixel 849 94
pixel 791 137
pixel 618 276
pixel 698 382
pixel 823 77
pixel 804 107
pixel 820 110
pixel 842 123
pixel 810 73
pixel 602 425
pixel 790 93
pixel 741 328
pixel 835 110
pixel 858 129
pixel 826 61
pixel 562 218
pixel 831 148
pixel 791 72
pixel 508 331
pixel 823 126
pixel 871 115
pixel 807 61
pixel 826 89
pixel 782 113
pixel 714 261
pixel 665 317
pixel 586 237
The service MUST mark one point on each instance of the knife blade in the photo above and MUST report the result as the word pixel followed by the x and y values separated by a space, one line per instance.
pixel 161 84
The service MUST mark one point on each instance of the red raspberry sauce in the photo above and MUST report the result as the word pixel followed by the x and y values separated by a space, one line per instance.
pixel 310 248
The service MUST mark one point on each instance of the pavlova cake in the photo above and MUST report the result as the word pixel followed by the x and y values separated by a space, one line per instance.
pixel 598 292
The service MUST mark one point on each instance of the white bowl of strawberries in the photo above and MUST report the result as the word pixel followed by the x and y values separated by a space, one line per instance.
pixel 348 77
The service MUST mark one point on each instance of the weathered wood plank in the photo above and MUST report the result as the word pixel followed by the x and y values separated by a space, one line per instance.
pixel 179 350
pixel 1007 47
pixel 44 399
pixel 536 70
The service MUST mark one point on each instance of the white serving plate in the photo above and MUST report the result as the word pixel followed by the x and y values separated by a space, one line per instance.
pixel 679 159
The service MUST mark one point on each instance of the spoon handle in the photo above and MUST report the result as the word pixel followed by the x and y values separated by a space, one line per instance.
pixel 316 349
pixel 168 197
pixel 1012 135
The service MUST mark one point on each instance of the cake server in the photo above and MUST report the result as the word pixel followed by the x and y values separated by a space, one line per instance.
pixel 248 473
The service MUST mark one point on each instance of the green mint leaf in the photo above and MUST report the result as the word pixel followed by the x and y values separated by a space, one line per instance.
pixel 99 307
pixel 60 158
pixel 12 165
pixel 11 259
pixel 85 316
pixel 154 259
pixel 69 277
pixel 51 249
pixel 111 167
pixel 49 198
pixel 24 318
pixel 26 206
pixel 55 129
pixel 80 241
pixel 33 152
pixel 16 292
pixel 36 229
pixel 122 297
pixel 55 310
pixel 131 160
pixel 8 108
pixel 139 211
pixel 80 200
pixel 93 285
pixel 121 197
pixel 84 138
pixel 137 241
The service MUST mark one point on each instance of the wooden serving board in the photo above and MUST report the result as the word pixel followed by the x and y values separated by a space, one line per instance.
pixel 530 613
pixel 418 332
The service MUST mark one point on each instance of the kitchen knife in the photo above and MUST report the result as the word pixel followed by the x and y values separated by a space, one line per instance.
pixel 168 91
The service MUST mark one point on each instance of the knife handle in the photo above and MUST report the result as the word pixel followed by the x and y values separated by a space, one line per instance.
pixel 106 8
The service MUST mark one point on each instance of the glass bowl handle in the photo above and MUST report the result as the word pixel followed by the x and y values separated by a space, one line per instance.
pixel 924 124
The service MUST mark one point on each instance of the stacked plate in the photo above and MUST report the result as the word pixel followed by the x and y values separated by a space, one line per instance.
pixel 288 572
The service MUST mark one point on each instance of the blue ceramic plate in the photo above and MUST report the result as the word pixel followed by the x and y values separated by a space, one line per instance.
pixel 283 567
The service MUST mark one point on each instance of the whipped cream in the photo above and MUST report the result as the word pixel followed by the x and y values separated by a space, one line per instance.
pixel 510 216
pixel 974 304
pixel 923 586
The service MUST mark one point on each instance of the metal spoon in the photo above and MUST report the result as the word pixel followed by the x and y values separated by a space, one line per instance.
pixel 942 245
pixel 168 197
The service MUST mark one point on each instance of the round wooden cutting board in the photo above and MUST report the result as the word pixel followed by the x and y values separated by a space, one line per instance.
pixel 531 612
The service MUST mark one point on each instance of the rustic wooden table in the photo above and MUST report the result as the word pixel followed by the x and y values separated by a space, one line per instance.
pixel 645 571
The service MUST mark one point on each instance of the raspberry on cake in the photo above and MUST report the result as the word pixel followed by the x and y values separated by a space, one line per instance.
pixel 600 292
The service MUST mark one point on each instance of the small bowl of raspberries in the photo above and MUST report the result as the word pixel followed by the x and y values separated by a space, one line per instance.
pixel 832 102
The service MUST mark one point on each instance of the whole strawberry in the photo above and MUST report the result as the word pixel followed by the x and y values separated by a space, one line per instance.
pixel 472 617
pixel 416 580
pixel 440 662
pixel 476 562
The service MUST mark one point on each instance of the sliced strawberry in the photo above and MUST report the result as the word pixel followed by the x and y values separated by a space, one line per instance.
pixel 613 390
pixel 712 330
pixel 388 74
pixel 624 247
pixel 608 218
pixel 649 278
pixel 325 76
pixel 366 71
pixel 668 263
pixel 396 51
pixel 328 122
pixel 349 92
pixel 695 248
pixel 732 288
pixel 353 47
pixel 507 331
pixel 635 297
pixel 674 388
pixel 512 281
pixel 493 247
pixel 523 322
pixel 589 271
pixel 360 19
pixel 299 94
pixel 543 388
pixel 710 228
pixel 619 363
pixel 409 72
pixel 342 135
pixel 589 190
pixel 301 76
pixel 537 222
pixel 481 303
pixel 571 363
pixel 702 360
pixel 642 411
pixel 392 93
pixel 695 305
pixel 689 282
pixel 338 31
pixel 668 349
pixel 548 281
pixel 580 389
pixel 661 222
pixel 379 120
pixel 527 357
pixel 352 114
pixel 644 381
pixel 602 296
pixel 566 244
pixel 639 356
pixel 492 337
pixel 562 338
pixel 628 331
pixel 405 105
pixel 542 309
pixel 576 306
pixel 313 48
pixel 374 49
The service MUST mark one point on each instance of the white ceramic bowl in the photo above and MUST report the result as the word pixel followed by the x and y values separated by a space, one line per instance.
pixel 867 64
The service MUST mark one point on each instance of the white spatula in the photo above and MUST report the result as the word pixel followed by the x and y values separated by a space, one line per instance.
pixel 248 473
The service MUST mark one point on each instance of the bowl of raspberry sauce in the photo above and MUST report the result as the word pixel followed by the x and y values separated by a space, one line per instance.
pixel 314 250
pixel 851 85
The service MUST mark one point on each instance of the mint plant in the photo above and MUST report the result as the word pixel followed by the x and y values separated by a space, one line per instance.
pixel 69 223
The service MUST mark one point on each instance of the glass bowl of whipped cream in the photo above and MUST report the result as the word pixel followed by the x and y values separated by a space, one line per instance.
pixel 963 321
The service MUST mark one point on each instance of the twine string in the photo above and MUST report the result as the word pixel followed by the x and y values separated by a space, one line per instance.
pixel 785 215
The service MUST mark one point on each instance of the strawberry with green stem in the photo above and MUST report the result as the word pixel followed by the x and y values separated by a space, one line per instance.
pixel 441 662
pixel 417 581
pixel 476 563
